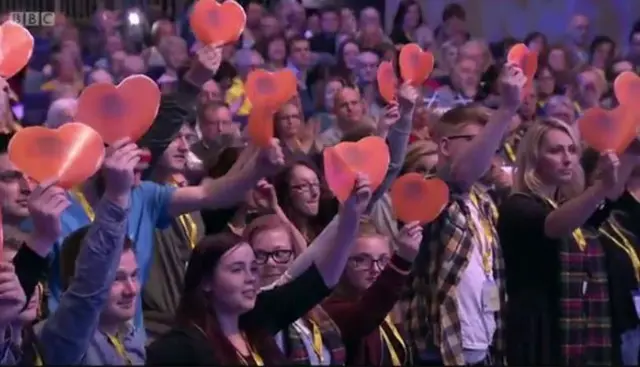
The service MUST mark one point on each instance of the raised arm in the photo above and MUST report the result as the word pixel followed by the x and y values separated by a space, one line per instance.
pixel 397 140
pixel 357 319
pixel 475 160
pixel 278 307
pixel 229 189
pixel 67 333
pixel 575 212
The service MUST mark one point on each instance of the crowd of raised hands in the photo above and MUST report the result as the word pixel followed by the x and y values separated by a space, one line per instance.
pixel 486 215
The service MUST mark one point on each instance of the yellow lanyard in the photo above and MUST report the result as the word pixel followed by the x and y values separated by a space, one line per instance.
pixel 317 340
pixel 510 153
pixel 395 360
pixel 256 357
pixel 577 234
pixel 38 361
pixel 188 225
pixel 117 345
pixel 85 204
pixel 488 235
pixel 626 246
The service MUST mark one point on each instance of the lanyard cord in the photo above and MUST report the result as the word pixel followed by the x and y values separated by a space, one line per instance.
pixel 577 234
pixel 117 345
pixel 85 204
pixel 395 359
pixel 510 153
pixel 623 242
pixel 254 354
pixel 485 245
pixel 188 225
pixel 317 340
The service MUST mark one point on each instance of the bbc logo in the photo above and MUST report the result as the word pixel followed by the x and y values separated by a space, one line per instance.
pixel 34 18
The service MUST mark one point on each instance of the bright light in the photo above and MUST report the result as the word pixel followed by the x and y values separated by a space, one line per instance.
pixel 134 18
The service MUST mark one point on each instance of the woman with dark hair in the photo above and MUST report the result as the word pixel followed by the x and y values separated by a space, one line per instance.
pixel 224 320
pixel 300 193
pixel 274 52
pixel 347 60
pixel 601 52
pixel 536 41
pixel 406 22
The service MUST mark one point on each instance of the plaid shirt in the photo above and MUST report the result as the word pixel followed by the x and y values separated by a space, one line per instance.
pixel 429 303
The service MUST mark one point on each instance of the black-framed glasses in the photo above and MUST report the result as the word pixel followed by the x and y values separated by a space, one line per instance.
pixel 467 137
pixel 278 256
pixel 367 262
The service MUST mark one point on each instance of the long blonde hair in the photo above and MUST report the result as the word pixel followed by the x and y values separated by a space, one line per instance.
pixel 526 178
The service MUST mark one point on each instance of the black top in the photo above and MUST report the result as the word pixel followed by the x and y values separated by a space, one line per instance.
pixel 622 280
pixel 399 37
pixel 275 309
pixel 533 267
pixel 30 270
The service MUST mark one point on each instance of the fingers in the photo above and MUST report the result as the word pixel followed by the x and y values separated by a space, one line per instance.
pixel 117 145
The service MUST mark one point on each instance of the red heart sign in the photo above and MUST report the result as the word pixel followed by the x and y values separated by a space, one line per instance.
pixel 127 110
pixel 16 47
pixel 415 65
pixel 71 153
pixel 608 130
pixel 271 90
pixel 387 81
pixel 627 88
pixel 215 23
pixel 416 199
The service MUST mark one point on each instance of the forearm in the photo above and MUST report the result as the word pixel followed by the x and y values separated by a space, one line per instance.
pixel 333 263
pixel 31 268
pixel 574 213
pixel 397 140
pixel 299 242
pixel 474 161
pixel 68 331
pixel 230 189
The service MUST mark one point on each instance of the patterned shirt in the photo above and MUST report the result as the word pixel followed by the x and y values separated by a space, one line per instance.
pixel 429 302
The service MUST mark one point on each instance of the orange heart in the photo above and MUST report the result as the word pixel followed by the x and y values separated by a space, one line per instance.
pixel 608 130
pixel 416 199
pixel 387 81
pixel 369 156
pixel 415 65
pixel 71 153
pixel 260 126
pixel 627 87
pixel 271 89
pixel 215 23
pixel 16 47
pixel 115 112
pixel 525 59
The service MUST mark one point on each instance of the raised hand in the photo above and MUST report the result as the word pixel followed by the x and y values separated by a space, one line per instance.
pixel 407 95
pixel 390 116
pixel 271 158
pixel 119 164
pixel 511 83
pixel 607 170
pixel 264 195
pixel 46 204
pixel 12 297
pixel 408 241
pixel 360 196
pixel 210 56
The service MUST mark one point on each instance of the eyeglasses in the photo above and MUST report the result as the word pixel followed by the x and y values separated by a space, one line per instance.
pixel 278 256
pixel 306 187
pixel 366 262
pixel 466 137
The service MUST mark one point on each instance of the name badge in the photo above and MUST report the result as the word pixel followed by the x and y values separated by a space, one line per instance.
pixel 490 297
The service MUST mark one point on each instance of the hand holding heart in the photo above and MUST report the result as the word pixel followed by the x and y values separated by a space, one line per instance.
pixel 358 201
pixel 511 83
pixel 408 241
pixel 119 165
pixel 606 171
pixel 46 204
pixel 270 159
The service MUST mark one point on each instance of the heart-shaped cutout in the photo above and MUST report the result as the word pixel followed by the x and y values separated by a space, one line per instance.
pixel 527 60
pixel 71 153
pixel 116 112
pixel 271 90
pixel 369 156
pixel 415 198
pixel 260 126
pixel 387 81
pixel 626 87
pixel 608 130
pixel 215 23
pixel 16 48
pixel 415 65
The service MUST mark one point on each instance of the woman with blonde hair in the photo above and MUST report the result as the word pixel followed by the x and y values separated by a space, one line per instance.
pixel 556 275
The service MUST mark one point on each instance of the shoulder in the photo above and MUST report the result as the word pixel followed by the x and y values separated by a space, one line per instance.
pixel 149 189
pixel 176 347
